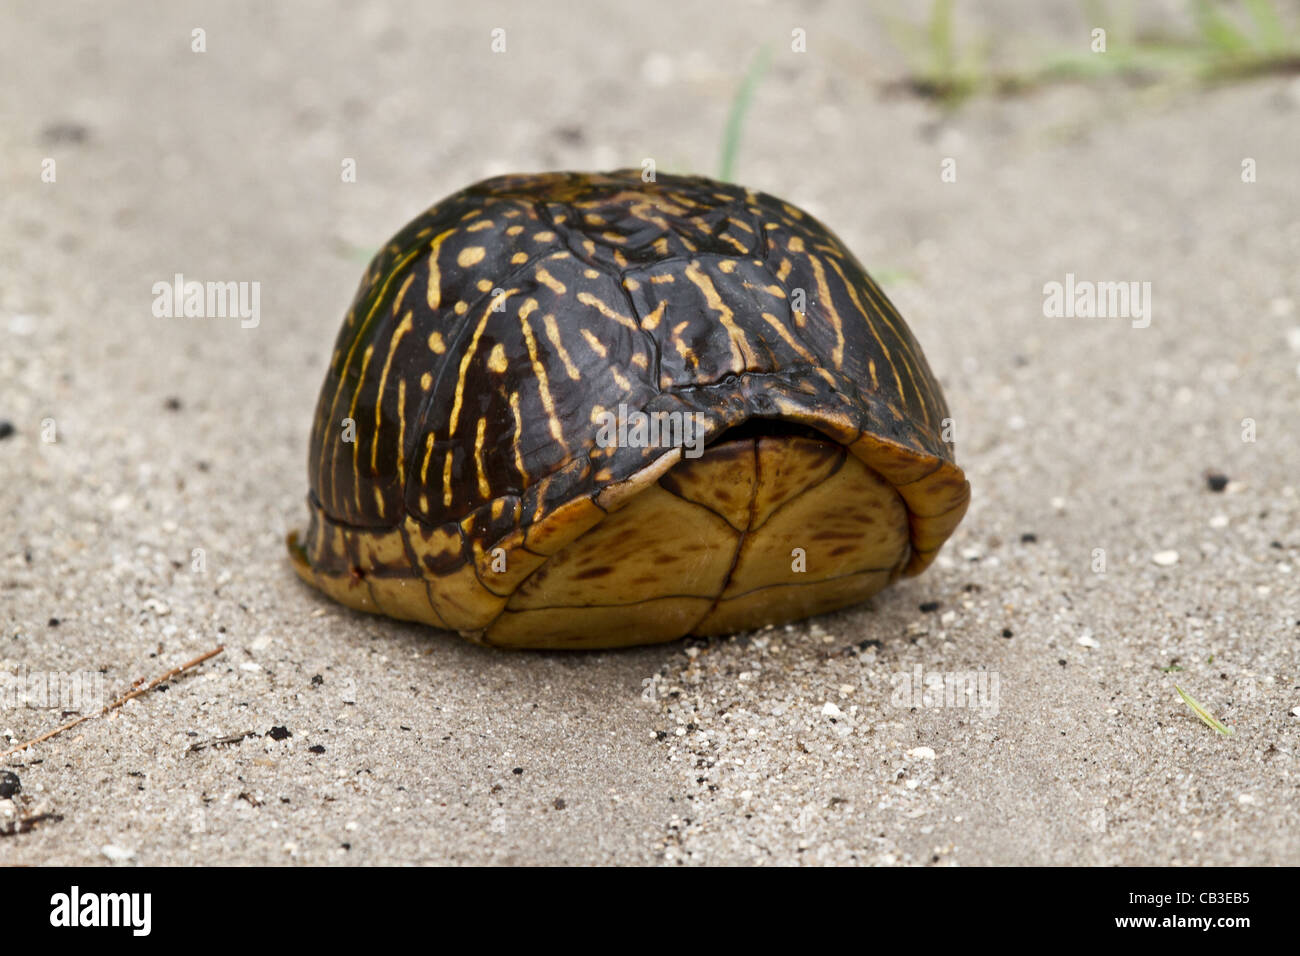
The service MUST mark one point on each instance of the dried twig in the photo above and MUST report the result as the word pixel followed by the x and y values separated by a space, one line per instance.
pixel 219 741
pixel 28 824
pixel 135 692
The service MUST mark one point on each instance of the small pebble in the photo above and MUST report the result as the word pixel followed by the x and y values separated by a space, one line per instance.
pixel 1087 640
pixel 1165 559
pixel 6 429
pixel 279 733
pixel 1216 481
pixel 830 710
pixel 9 784
pixel 116 853
pixel 920 753
pixel 1219 521
pixel 929 606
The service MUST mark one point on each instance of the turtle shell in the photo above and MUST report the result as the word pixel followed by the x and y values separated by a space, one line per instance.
pixel 462 435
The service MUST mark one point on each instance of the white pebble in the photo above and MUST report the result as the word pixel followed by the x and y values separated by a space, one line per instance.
pixel 1165 559
pixel 830 710
pixel 1087 640
pixel 1219 521
pixel 116 853
pixel 920 753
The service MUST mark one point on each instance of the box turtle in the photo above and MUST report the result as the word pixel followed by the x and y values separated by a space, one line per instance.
pixel 585 410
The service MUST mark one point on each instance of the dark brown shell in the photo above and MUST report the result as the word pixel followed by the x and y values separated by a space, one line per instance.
pixel 488 335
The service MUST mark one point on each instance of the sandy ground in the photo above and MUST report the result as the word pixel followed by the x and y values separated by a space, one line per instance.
pixel 1081 436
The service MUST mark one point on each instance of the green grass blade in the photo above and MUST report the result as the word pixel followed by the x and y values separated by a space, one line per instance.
pixel 944 59
pixel 1218 32
pixel 1206 717
pixel 739 107
pixel 1268 25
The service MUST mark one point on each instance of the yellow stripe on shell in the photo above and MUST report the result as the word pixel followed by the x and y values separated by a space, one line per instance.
pixel 543 385
pixel 866 315
pixel 586 298
pixel 470 353
pixel 828 303
pixel 553 333
pixel 552 283
pixel 434 289
pixel 402 328
pixel 596 345
pixel 741 351
pixel 519 430
pixel 428 453
pixel 484 489
pixel 334 401
pixel 352 414
pixel 446 479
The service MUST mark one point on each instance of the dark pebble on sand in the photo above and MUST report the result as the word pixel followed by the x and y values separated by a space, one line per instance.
pixel 9 784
